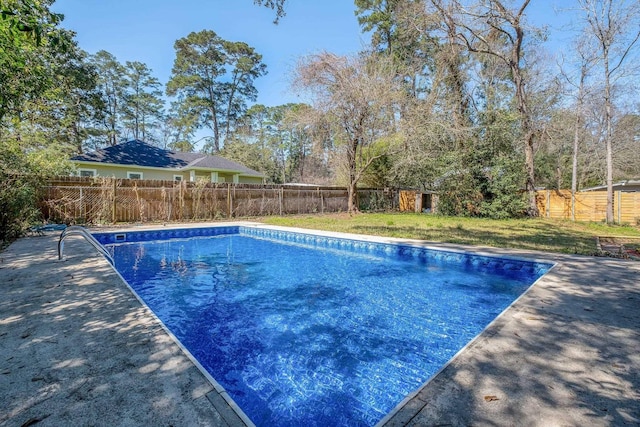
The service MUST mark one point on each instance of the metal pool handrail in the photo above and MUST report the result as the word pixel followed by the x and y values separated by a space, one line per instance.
pixel 76 229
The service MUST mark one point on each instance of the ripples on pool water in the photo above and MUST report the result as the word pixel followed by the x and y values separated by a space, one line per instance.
pixel 314 337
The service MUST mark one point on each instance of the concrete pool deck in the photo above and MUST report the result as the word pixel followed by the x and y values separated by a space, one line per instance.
pixel 77 348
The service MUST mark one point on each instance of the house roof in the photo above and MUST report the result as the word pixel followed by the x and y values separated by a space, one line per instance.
pixel 630 185
pixel 139 153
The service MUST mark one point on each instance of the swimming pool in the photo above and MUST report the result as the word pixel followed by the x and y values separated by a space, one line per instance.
pixel 302 329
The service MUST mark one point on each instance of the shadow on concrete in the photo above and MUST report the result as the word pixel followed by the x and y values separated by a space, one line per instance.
pixel 79 349
pixel 565 354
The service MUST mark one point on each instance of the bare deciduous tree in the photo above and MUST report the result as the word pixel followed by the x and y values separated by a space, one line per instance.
pixel 585 59
pixel 355 99
pixel 614 25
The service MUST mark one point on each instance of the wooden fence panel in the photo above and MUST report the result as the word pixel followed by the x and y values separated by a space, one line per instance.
pixel 559 204
pixel 589 205
pixel 84 204
pixel 407 201
pixel 628 210
pixel 107 200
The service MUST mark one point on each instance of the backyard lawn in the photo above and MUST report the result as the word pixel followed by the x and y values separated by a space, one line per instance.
pixel 537 234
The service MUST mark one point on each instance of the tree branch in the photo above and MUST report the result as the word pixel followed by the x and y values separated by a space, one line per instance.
pixel 626 52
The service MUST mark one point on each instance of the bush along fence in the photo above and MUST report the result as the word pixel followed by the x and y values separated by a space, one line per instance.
pixel 111 200
pixel 589 205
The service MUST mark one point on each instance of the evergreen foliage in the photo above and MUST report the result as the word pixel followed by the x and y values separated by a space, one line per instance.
pixel 213 79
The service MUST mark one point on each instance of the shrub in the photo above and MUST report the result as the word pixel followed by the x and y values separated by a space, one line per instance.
pixel 23 174
pixel 18 204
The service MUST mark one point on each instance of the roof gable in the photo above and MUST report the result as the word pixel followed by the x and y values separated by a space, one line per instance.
pixel 139 153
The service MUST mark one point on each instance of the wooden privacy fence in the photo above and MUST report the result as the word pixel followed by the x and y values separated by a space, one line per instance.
pixel 109 200
pixel 589 205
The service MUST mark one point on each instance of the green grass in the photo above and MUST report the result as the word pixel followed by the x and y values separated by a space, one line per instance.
pixel 536 234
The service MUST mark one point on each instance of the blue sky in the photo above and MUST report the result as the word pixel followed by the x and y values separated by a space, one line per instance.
pixel 145 31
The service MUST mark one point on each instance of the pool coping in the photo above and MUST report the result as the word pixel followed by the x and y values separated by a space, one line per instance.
pixel 416 408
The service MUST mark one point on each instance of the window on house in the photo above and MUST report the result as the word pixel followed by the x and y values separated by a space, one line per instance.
pixel 177 177
pixel 134 175
pixel 87 172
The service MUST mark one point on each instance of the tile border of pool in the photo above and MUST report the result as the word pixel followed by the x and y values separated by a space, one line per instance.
pixel 478 261
pixel 307 236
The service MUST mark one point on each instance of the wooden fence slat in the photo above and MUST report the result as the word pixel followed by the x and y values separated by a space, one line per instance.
pixel 589 205
pixel 89 200
pixel 81 199
pixel 629 207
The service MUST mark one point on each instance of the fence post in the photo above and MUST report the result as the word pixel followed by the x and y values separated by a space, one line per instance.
pixel 281 198
pixel 114 204
pixel 229 205
pixel 83 208
pixel 573 206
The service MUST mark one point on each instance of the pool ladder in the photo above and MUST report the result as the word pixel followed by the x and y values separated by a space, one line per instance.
pixel 76 229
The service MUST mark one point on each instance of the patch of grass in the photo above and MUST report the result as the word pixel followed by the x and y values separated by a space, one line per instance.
pixel 536 234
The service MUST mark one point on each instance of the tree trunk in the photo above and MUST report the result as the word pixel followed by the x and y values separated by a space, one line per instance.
pixel 530 186
pixel 454 65
pixel 608 136
pixel 143 126
pixel 528 132
pixel 302 158
pixel 352 199
pixel 576 142
pixel 214 121
pixel 136 123
pixel 574 166
pixel 352 204
pixel 76 137
pixel 229 104
pixel 284 170
pixel 216 132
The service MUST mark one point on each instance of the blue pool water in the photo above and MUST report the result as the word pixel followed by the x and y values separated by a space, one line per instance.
pixel 304 330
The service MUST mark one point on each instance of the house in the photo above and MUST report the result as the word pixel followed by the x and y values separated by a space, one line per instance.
pixel 139 160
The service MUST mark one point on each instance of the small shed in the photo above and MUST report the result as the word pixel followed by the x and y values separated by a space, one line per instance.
pixel 418 201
